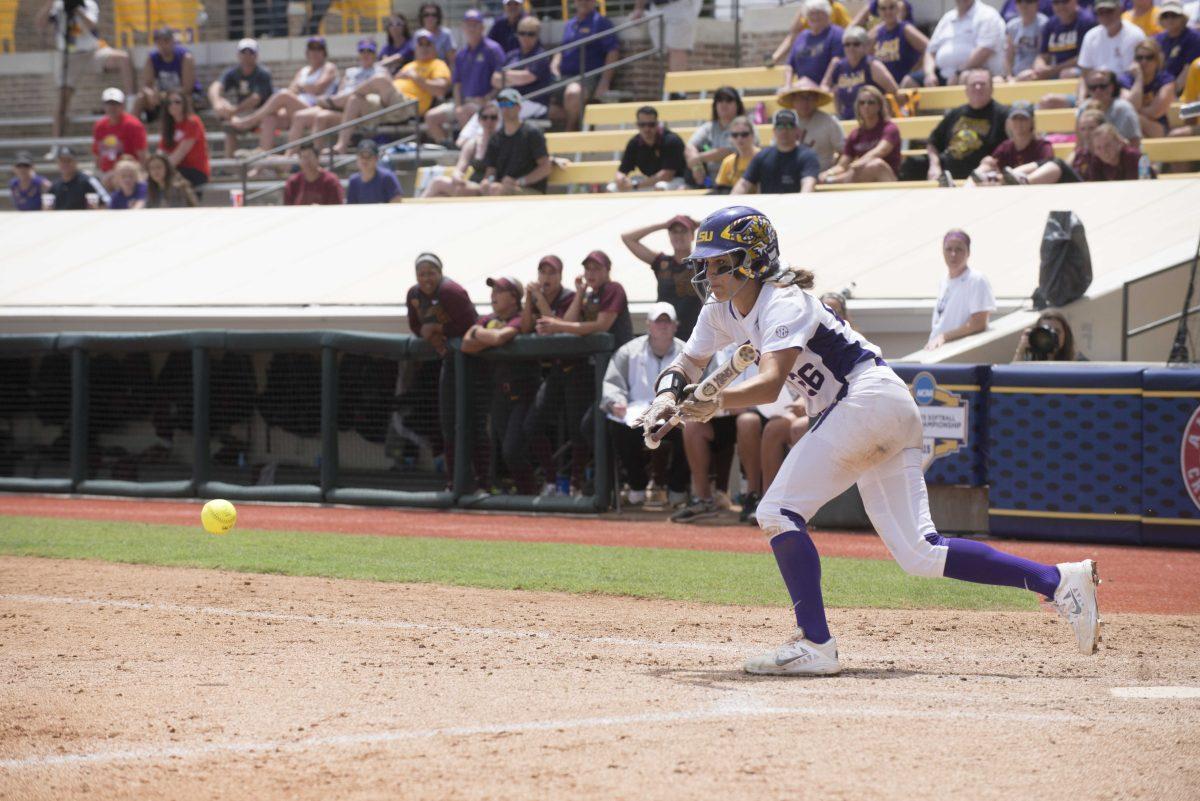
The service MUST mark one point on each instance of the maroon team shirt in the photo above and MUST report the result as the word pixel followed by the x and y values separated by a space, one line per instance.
pixel 450 306
pixel 1037 151
pixel 863 140
pixel 513 379
pixel 610 298
pixel 561 303
pixel 325 191
pixel 1126 168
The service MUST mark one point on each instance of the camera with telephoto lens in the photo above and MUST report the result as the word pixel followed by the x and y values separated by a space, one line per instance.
pixel 1043 342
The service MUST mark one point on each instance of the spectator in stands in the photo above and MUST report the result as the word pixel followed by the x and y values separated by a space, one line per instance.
pixel 184 140
pixel 1143 14
pixel 745 144
pixel 600 304
pixel 1103 91
pixel 854 70
pixel 898 44
pixel 1180 44
pixel 76 189
pixel 372 183
pixel 430 17
pixel 329 109
pixel 166 188
pixel 1063 341
pixel 710 143
pixel 1109 45
pixel 530 78
pixel 1056 170
pixel 129 190
pixel 312 185
pixel 679 23
pixel 965 300
pixel 966 134
pixel 514 383
pixel 1023 146
pixel 240 90
pixel 787 166
pixel 585 58
pixel 87 54
pixel 169 67
pixel 439 309
pixel 398 45
pixel 1149 89
pixel 116 134
pixel 673 276
pixel 422 79
pixel 629 390
pixel 872 14
pixel 1111 157
pixel 812 49
pixel 472 87
pixel 872 151
pixel 314 80
pixel 968 37
pixel 516 161
pixel 656 152
pixel 1061 39
pixel 26 186
pixel 1191 93
pixel 1023 40
pixel 463 180
pixel 504 29
pixel 818 130
pixel 1012 9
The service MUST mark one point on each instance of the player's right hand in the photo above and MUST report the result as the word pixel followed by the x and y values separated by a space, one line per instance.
pixel 661 410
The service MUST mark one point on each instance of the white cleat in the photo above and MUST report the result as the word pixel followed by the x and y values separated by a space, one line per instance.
pixel 797 657
pixel 1075 600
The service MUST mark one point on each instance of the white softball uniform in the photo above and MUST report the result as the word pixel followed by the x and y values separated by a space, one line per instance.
pixel 869 430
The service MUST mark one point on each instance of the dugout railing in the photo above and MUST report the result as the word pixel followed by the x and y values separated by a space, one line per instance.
pixel 311 416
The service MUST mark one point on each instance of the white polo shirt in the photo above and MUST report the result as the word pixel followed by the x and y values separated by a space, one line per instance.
pixel 1100 51
pixel 957 36
pixel 959 298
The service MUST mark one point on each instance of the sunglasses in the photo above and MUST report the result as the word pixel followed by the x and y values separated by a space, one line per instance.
pixel 505 104
pixel 1145 57
pixel 888 7
pixel 648 124
pixel 852 44
pixel 871 102
pixel 429 14
pixel 175 101
pixel 526 33
pixel 739 134
pixel 1104 11
pixel 787 126
pixel 487 117
pixel 1093 87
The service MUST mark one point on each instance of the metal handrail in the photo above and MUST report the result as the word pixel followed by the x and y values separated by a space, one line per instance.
pixel 1128 333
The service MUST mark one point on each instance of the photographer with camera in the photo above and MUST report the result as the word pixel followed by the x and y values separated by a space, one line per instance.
pixel 1050 339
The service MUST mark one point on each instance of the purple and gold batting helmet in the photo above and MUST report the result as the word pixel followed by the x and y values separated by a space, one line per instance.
pixel 739 230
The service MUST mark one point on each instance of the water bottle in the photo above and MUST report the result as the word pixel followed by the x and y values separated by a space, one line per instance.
pixel 760 113
pixel 1144 173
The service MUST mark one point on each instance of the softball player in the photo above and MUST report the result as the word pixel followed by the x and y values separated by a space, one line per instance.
pixel 867 431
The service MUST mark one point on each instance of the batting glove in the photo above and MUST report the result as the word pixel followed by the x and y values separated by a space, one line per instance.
pixel 694 410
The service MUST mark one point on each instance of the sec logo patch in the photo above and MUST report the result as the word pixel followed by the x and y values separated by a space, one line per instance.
pixel 781 332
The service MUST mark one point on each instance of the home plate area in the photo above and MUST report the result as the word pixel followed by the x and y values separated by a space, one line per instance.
pixel 137 682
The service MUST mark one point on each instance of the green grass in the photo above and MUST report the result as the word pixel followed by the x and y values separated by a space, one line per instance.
pixel 705 576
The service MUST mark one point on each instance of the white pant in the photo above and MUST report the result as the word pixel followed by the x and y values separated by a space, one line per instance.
pixel 872 437
pixel 679 22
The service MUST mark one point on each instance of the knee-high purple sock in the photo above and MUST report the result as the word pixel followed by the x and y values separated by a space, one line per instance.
pixel 970 560
pixel 800 566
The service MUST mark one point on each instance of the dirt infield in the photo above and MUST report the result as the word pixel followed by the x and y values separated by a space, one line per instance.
pixel 144 682
pixel 1135 579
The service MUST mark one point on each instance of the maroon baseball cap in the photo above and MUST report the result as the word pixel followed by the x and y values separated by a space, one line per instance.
pixel 684 220
pixel 506 285
pixel 553 261
pixel 600 257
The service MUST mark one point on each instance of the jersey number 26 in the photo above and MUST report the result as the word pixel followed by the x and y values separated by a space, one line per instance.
pixel 810 377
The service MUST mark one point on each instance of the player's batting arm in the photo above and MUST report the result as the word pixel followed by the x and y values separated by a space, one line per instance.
pixel 773 368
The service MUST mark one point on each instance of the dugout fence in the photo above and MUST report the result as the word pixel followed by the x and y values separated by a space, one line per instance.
pixel 315 416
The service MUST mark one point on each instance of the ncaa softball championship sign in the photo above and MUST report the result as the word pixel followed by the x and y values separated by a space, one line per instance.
pixel 1189 457
pixel 945 418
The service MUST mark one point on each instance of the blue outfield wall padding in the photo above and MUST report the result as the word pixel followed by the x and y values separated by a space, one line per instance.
pixel 1076 455
pixel 967 465
pixel 1171 457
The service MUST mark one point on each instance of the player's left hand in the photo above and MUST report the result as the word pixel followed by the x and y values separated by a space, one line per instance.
pixel 694 410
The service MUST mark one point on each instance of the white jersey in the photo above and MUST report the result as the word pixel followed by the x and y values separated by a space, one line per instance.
pixel 789 317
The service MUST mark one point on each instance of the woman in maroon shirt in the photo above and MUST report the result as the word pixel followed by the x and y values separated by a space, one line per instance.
pixel 1023 146
pixel 1111 157
pixel 872 150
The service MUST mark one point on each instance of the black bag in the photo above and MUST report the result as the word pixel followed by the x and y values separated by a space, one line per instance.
pixel 1066 270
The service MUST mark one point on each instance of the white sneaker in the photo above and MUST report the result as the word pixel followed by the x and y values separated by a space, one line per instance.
pixel 797 657
pixel 635 497
pixel 549 491
pixel 1075 600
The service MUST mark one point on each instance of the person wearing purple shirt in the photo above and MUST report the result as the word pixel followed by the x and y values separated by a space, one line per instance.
pixel 854 70
pixel 815 47
pixel 1009 10
pixel 1061 39
pixel 899 45
pixel 27 186
pixel 586 22
pixel 504 30
pixel 398 48
pixel 372 183
pixel 169 67
pixel 473 68
pixel 1149 89
pixel 1180 44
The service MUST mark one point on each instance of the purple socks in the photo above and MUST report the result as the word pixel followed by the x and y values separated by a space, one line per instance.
pixel 800 566
pixel 970 560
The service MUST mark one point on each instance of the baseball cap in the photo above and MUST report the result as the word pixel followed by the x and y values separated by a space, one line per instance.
pixel 1115 4
pixel 506 2
pixel 786 117
pixel 428 258
pixel 472 14
pixel 600 257
pixel 506 285
pixel 25 159
pixel 657 310
pixel 319 41
pixel 1021 108
pixel 112 95
pixel 367 44
pixel 247 44
pixel 1171 7
pixel 66 152
pixel 553 261
pixel 684 220
pixel 164 33
pixel 368 146
pixel 509 95
pixel 424 33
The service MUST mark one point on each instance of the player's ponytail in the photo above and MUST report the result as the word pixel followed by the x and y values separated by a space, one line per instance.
pixel 793 276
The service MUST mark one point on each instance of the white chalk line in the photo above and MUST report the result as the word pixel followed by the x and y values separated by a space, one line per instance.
pixel 360 622
pixel 159 753
pixel 1168 692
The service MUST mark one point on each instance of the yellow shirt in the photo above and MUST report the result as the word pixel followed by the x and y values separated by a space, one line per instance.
pixel 430 70
pixel 1191 89
pixel 1148 22
pixel 732 169
pixel 840 16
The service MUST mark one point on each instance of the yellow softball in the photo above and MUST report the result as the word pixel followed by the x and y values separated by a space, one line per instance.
pixel 218 516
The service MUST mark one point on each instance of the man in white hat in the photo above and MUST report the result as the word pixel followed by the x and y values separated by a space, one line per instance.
pixel 240 90
pixel 116 134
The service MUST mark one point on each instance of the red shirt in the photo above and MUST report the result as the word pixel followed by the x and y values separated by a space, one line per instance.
pixel 111 141
pixel 450 306
pixel 197 157
pixel 1126 168
pixel 863 140
pixel 1037 151
pixel 325 191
